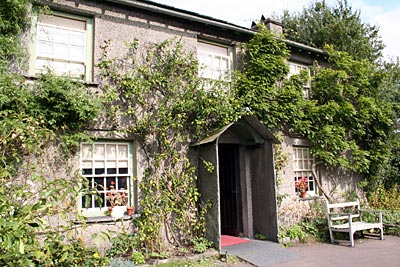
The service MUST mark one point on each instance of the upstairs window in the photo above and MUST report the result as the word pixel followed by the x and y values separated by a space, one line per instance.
pixel 297 69
pixel 107 166
pixel 303 161
pixel 215 61
pixel 63 44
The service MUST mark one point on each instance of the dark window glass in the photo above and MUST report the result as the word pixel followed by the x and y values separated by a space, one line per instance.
pixel 112 171
pixel 123 170
pixel 99 171
pixel 86 171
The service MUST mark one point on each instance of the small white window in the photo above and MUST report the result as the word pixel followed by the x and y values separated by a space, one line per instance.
pixel 64 45
pixel 303 161
pixel 296 69
pixel 108 169
pixel 215 61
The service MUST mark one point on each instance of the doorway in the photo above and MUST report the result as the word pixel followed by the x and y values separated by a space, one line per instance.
pixel 229 181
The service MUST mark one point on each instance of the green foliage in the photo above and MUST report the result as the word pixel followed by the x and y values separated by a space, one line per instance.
pixel 34 195
pixel 200 244
pixel 294 232
pixel 260 82
pixel 386 198
pixel 346 119
pixel 65 105
pixel 156 88
pixel 260 237
pixel 70 253
pixel 122 245
pixel 319 25
pixel 13 20
pixel 138 257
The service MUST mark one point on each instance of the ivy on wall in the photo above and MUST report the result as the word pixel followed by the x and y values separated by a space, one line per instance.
pixel 156 87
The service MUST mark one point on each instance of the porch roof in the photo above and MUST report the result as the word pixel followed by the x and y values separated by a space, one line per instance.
pixel 247 126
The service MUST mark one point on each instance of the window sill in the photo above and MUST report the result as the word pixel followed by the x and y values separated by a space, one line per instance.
pixel 106 219
pixel 83 81
pixel 310 198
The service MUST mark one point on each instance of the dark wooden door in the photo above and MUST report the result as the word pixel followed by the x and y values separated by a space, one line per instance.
pixel 229 189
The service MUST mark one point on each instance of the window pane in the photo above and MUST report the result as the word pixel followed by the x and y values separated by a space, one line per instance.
pixel 99 184
pixel 77 53
pixel 77 38
pixel 99 151
pixel 111 151
pixel 61 36
pixel 122 151
pixel 122 183
pixel 61 51
pixel 45 49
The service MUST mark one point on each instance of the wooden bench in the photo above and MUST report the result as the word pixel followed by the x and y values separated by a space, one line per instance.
pixel 346 217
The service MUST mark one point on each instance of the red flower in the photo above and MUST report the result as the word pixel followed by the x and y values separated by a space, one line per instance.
pixel 302 184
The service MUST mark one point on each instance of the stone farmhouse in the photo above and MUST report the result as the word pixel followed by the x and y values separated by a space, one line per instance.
pixel 245 188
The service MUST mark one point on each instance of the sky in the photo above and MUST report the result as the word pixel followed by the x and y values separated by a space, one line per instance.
pixel 383 13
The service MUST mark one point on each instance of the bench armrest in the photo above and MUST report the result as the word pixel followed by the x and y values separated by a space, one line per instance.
pixel 366 210
pixel 378 212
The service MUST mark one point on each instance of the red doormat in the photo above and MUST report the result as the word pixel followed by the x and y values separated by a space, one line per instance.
pixel 227 240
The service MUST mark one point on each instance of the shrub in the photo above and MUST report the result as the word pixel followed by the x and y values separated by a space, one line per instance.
pixel 200 244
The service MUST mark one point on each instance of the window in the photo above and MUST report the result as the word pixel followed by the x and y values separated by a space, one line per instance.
pixel 64 44
pixel 296 69
pixel 303 161
pixel 215 61
pixel 107 166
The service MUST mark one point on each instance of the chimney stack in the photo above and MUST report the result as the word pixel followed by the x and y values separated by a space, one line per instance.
pixel 274 25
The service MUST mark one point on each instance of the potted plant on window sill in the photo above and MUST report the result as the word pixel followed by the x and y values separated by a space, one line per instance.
pixel 302 185
pixel 118 201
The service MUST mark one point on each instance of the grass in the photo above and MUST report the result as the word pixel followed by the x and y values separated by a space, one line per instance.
pixel 213 261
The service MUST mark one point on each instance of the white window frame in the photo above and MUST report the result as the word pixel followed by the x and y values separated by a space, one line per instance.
pixel 302 167
pixel 59 64
pixel 212 61
pixel 104 168
pixel 296 69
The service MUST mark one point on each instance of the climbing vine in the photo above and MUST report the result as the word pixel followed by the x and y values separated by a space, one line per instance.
pixel 156 87
pixel 39 120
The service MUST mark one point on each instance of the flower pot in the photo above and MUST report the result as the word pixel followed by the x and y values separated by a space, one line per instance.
pixel 303 194
pixel 118 212
pixel 130 210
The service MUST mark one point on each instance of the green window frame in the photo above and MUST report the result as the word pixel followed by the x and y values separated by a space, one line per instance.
pixel 54 29
pixel 108 169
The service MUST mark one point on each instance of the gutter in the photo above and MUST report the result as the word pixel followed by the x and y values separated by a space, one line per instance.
pixel 305 47
pixel 171 11
pixel 192 16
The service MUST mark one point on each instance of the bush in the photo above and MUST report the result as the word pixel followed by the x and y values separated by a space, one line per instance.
pixel 200 244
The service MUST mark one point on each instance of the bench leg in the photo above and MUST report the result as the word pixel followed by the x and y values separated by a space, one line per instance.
pixel 351 238
pixel 381 233
pixel 331 235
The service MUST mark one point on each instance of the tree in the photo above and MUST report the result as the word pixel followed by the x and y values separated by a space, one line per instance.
pixel 348 118
pixel 348 122
pixel 319 25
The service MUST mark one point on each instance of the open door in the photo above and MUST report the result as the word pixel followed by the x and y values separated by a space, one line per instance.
pixel 229 181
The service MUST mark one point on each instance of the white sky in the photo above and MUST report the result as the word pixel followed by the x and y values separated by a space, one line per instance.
pixel 384 13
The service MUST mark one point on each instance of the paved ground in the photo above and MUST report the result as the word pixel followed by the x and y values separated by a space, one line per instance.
pixel 368 252
pixel 261 253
